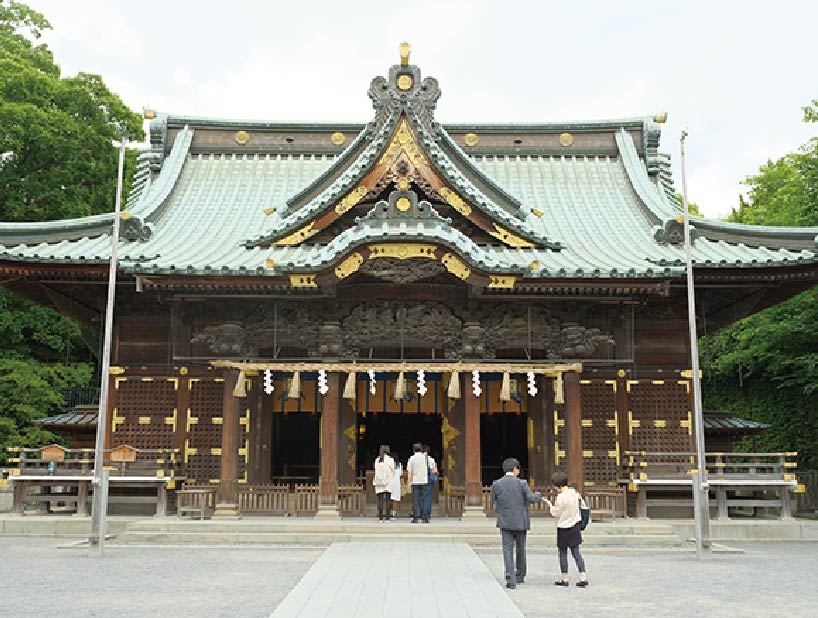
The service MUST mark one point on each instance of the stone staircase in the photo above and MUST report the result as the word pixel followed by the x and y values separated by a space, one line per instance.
pixel 296 531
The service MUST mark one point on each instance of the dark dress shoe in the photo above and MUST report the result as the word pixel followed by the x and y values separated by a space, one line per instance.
pixel 510 585
pixel 520 580
pixel 583 584
pixel 559 582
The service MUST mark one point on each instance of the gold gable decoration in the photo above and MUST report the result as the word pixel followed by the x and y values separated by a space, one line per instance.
pixel 403 141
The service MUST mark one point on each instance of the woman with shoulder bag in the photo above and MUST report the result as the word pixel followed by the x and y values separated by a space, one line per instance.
pixel 568 509
pixel 383 479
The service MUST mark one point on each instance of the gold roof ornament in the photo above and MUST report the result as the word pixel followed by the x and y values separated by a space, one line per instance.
pixel 338 138
pixel 660 118
pixel 471 139
pixel 241 137
pixel 405 49
pixel 566 139
pixel 404 83
pixel 148 113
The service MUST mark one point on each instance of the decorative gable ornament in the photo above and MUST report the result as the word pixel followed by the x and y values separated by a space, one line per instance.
pixel 404 147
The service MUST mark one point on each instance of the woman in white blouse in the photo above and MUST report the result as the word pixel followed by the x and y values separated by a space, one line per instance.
pixel 383 479
pixel 395 493
pixel 566 510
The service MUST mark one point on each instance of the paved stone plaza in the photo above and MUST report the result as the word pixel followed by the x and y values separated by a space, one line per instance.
pixel 360 579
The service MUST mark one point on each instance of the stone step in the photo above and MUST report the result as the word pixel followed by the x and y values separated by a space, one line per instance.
pixel 442 527
pixel 323 538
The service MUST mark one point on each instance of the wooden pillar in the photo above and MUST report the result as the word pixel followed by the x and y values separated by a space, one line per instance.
pixel 328 498
pixel 347 436
pixel 453 428
pixel 622 408
pixel 549 428
pixel 474 481
pixel 573 429
pixel 537 447
pixel 227 497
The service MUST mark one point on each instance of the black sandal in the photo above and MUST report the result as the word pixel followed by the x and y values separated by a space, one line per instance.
pixel 561 583
pixel 583 583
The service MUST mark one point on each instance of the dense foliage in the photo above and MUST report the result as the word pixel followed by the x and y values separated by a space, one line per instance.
pixel 57 161
pixel 765 367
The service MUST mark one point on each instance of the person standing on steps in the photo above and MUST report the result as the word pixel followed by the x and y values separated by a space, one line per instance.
pixel 418 475
pixel 511 496
pixel 383 479
pixel 433 475
pixel 396 482
pixel 566 509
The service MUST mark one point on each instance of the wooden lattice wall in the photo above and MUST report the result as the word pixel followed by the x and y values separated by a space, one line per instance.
pixel 145 413
pixel 659 417
pixel 159 412
pixel 600 434
pixel 203 425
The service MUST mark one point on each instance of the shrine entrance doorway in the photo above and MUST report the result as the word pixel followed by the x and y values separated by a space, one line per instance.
pixel 502 436
pixel 400 432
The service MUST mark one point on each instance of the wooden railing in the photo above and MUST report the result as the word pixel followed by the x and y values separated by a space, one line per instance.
pixel 264 499
pixel 306 499
pixel 756 466
pixel 196 500
pixel 454 500
pixel 351 499
pixel 122 460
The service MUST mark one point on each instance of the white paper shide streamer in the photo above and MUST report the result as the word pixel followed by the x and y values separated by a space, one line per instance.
pixel 532 385
pixel 475 383
pixel 268 382
pixel 371 373
pixel 421 383
pixel 323 388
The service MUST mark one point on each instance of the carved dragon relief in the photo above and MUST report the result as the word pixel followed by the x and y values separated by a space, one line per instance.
pixel 516 326
pixel 413 324
pixel 291 324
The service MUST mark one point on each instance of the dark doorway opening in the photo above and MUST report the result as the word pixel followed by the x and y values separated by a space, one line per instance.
pixel 400 432
pixel 502 436
pixel 295 452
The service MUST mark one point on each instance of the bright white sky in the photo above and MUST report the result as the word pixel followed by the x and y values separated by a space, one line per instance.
pixel 734 74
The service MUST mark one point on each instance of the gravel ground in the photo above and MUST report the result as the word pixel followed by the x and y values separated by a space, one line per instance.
pixel 766 580
pixel 37 579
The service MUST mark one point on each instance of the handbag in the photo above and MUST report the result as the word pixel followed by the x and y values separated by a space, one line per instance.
pixel 584 514
pixel 430 471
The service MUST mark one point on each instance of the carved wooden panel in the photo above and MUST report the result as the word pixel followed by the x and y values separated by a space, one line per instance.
pixel 145 414
pixel 204 430
pixel 599 431
pixel 659 415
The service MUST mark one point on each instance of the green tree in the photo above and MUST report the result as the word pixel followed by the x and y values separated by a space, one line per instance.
pixel 57 161
pixel 765 367
pixel 56 156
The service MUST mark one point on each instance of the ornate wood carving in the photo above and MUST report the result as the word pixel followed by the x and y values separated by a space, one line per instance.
pixel 387 324
pixel 517 325
pixel 294 324
pixel 402 271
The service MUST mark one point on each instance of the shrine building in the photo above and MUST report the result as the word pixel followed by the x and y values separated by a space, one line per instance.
pixel 293 295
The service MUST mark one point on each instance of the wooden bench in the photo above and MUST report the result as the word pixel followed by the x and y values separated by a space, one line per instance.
pixel 729 474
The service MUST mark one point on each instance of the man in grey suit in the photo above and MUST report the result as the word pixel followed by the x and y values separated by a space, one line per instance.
pixel 511 497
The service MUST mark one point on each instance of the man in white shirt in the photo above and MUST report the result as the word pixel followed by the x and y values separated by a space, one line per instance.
pixel 418 475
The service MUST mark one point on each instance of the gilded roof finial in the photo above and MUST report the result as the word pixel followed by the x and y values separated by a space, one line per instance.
pixel 405 50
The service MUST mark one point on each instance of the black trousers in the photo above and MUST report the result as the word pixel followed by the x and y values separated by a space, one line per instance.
pixel 384 505
pixel 515 569
pixel 563 552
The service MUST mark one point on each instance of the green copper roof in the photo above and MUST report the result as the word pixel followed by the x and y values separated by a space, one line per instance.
pixel 606 212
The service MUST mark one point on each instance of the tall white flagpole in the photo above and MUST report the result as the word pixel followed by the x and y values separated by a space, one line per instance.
pixel 99 505
pixel 701 503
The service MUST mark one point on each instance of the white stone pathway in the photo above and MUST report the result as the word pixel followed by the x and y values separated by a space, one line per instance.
pixel 398 580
